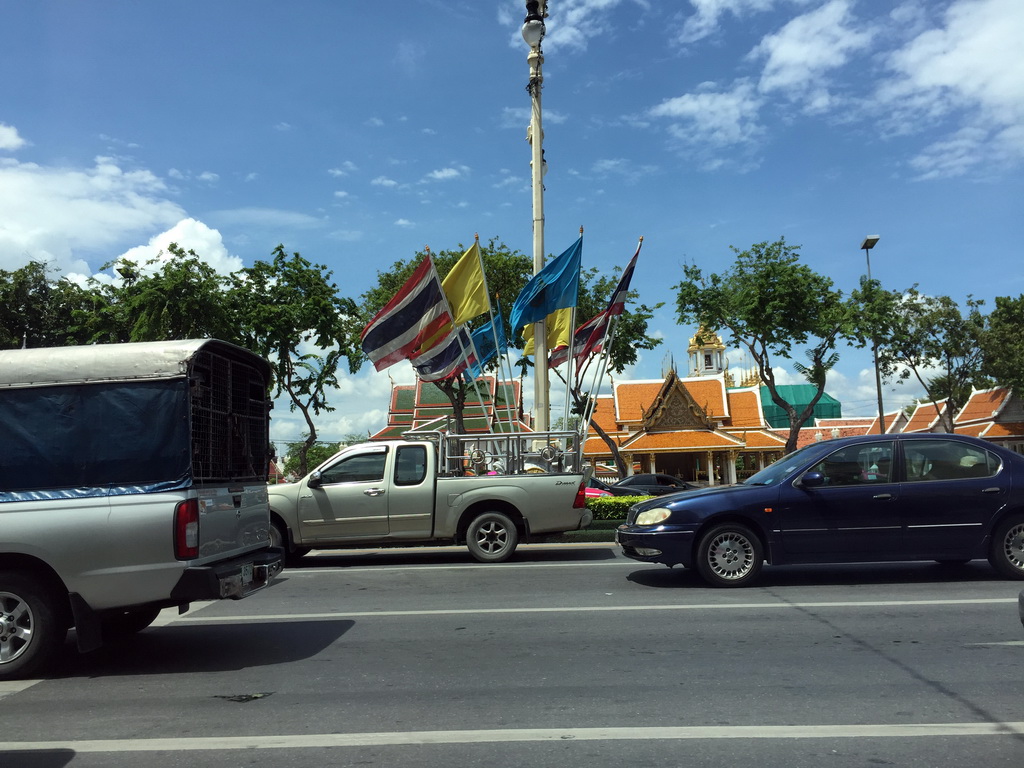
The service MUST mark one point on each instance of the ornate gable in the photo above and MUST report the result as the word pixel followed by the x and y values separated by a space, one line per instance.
pixel 675 409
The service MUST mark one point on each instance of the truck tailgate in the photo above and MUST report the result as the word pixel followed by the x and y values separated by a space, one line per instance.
pixel 232 519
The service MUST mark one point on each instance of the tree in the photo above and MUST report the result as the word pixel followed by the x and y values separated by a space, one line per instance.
pixel 770 304
pixel 1001 347
pixel 314 455
pixel 507 271
pixel 289 312
pixel 922 334
pixel 175 295
pixel 37 310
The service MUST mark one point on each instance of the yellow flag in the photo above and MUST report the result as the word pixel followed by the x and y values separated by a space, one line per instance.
pixel 558 325
pixel 464 287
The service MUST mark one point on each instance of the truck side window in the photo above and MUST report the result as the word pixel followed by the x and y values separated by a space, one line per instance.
pixel 410 465
pixel 360 468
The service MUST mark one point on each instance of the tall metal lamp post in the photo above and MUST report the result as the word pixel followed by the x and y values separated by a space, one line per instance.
pixel 869 242
pixel 533 33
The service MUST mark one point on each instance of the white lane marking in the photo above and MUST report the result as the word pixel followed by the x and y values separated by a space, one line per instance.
pixel 170 615
pixel 322 740
pixel 9 687
pixel 588 609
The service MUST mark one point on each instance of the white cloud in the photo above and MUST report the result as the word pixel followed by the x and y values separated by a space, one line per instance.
pixel 344 169
pixel 384 181
pixel 9 138
pixel 801 54
pixel 65 215
pixel 969 69
pixel 266 218
pixel 191 235
pixel 705 21
pixel 404 223
pixel 714 118
pixel 447 174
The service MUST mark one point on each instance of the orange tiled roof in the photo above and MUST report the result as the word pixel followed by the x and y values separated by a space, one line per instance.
pixel 764 438
pixel 984 405
pixel 745 408
pixel 924 417
pixel 682 441
pixel 709 393
pixel 1004 429
pixel 632 398
pixel 604 413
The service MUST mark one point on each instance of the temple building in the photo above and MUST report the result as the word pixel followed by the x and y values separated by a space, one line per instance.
pixel 705 427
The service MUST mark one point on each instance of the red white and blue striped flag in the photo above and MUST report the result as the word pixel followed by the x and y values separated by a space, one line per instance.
pixel 408 325
pixel 449 358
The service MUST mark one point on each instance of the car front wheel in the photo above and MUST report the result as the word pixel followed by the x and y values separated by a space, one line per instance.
pixel 1007 553
pixel 730 555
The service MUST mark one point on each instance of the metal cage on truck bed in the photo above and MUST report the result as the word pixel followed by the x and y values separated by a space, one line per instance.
pixel 111 419
pixel 230 418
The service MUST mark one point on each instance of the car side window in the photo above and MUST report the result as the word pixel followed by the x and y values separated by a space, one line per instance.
pixel 947 460
pixel 357 468
pixel 410 464
pixel 864 463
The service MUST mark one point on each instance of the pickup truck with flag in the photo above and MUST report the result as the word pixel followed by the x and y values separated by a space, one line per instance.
pixel 488 492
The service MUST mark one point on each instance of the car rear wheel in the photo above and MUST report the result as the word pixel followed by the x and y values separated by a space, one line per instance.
pixel 33 624
pixel 492 537
pixel 730 555
pixel 1007 553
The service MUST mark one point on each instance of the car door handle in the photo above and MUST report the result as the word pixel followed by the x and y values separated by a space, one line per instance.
pixel 373 491
pixel 992 490
pixel 882 496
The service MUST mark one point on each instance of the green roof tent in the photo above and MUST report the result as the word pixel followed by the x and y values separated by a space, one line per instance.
pixel 798 395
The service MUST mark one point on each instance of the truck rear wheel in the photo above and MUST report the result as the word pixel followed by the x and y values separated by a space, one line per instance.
pixel 492 537
pixel 33 625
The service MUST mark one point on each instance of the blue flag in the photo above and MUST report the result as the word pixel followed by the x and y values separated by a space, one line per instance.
pixel 556 286
pixel 483 340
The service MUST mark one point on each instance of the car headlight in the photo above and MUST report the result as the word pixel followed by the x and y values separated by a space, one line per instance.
pixel 653 516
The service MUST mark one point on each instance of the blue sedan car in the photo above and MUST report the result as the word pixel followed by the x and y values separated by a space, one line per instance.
pixel 872 498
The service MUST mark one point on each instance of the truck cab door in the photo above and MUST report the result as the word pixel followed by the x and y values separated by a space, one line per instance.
pixel 348 498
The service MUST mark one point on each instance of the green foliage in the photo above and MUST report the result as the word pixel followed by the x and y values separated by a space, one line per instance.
pixel 612 507
pixel 39 311
pixel 177 296
pixel 288 311
pixel 770 304
pixel 925 333
pixel 315 455
pixel 1002 347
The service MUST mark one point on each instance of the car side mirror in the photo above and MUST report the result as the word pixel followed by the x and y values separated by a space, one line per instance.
pixel 315 480
pixel 812 480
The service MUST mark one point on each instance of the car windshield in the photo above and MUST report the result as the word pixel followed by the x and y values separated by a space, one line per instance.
pixel 774 473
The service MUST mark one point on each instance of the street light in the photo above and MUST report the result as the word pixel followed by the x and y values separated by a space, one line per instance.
pixel 533 34
pixel 869 242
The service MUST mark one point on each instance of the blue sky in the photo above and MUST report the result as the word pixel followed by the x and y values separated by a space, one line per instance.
pixel 357 133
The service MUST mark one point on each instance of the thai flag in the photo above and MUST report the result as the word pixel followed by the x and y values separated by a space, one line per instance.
pixel 409 324
pixel 449 358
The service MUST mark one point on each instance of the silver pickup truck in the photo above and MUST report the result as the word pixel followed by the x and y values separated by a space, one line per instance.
pixel 488 492
pixel 132 478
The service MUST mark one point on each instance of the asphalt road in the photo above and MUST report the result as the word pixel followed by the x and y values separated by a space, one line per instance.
pixel 567 656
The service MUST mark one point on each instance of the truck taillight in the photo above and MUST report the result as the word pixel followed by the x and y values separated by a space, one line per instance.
pixel 186 530
pixel 581 497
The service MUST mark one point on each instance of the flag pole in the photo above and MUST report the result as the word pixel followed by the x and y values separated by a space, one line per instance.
pixel 494 335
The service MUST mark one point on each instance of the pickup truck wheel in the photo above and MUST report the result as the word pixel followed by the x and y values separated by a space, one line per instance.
pixel 492 537
pixel 121 624
pixel 32 624
pixel 279 539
